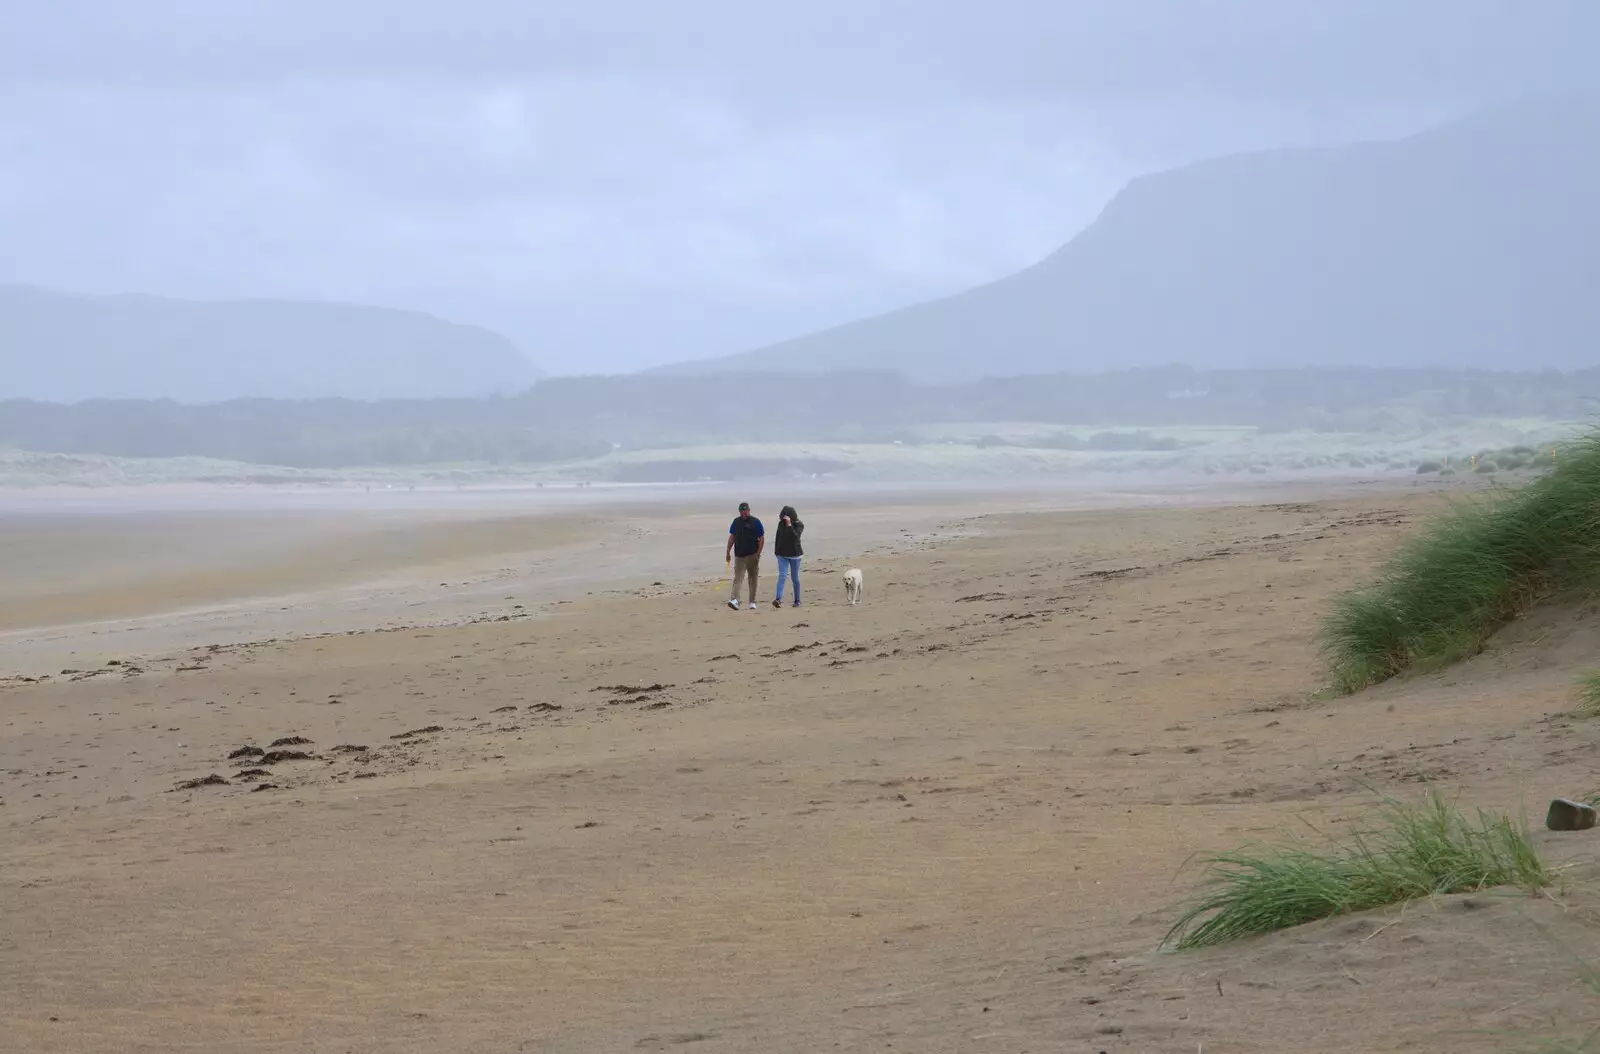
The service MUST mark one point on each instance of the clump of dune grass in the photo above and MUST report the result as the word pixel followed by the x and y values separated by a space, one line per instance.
pixel 1413 851
pixel 1588 689
pixel 1470 571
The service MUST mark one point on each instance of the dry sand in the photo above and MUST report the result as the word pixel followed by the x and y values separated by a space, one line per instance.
pixel 559 798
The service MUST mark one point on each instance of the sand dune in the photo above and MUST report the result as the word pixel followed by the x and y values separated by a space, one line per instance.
pixel 950 819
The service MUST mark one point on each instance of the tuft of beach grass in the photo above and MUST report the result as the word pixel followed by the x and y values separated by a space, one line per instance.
pixel 1413 850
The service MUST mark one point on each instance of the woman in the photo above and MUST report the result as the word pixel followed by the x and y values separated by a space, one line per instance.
pixel 786 547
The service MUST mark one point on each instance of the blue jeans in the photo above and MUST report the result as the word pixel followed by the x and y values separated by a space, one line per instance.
pixel 789 567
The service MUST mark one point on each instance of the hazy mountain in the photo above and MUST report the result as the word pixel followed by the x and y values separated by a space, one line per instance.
pixel 59 347
pixel 1473 244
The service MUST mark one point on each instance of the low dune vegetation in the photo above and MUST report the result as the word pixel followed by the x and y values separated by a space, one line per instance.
pixel 1414 850
pixel 1470 571
pixel 1438 598
pixel 1522 457
pixel 1587 688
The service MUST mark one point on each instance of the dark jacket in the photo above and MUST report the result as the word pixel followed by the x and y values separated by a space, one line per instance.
pixel 787 542
pixel 747 534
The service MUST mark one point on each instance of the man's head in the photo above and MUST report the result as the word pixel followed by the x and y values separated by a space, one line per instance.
pixel 744 509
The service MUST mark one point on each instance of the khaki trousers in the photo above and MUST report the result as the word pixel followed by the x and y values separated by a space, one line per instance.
pixel 745 566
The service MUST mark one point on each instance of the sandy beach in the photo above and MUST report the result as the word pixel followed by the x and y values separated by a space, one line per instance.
pixel 538 789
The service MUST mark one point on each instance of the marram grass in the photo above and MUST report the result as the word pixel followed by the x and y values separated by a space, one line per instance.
pixel 1588 692
pixel 1413 851
pixel 1469 572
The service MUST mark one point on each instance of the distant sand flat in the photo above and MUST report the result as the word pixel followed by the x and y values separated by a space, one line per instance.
pixel 950 819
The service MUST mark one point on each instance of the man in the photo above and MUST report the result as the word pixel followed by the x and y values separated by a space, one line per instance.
pixel 746 539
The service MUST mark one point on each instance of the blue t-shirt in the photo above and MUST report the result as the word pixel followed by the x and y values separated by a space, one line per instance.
pixel 747 535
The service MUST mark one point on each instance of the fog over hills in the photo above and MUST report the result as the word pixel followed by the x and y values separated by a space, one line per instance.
pixel 60 347
pixel 1474 244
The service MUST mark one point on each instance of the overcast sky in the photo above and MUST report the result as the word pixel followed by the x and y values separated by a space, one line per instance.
pixel 621 183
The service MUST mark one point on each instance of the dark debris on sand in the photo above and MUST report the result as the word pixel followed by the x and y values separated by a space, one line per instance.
pixel 418 732
pixel 212 780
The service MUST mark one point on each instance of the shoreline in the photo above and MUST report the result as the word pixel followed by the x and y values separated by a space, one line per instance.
pixel 355 570
pixel 200 496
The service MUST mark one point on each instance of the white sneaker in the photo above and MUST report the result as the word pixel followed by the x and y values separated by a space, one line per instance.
pixel 734 604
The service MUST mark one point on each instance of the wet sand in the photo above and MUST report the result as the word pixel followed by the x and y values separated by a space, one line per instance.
pixel 557 797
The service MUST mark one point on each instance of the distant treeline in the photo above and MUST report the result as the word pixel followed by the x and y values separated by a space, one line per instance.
pixel 576 417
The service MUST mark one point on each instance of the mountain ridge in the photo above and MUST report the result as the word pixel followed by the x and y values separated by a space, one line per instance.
pixel 1465 244
pixel 65 347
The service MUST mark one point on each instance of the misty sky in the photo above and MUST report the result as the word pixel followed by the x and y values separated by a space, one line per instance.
pixel 621 183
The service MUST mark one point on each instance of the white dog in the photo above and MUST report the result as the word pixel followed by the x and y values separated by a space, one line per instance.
pixel 854 584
